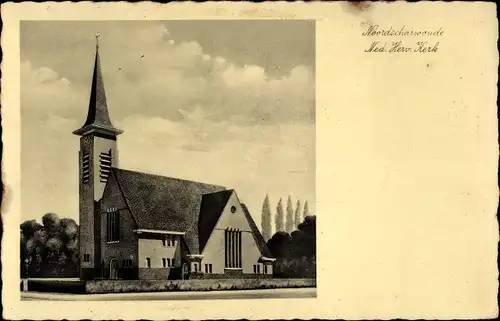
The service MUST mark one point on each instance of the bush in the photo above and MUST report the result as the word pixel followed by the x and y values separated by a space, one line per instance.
pixel 295 253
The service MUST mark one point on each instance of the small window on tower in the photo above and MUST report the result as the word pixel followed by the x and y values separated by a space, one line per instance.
pixel 86 168
pixel 86 257
pixel 105 166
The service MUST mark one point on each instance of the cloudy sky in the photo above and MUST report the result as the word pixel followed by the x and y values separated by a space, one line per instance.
pixel 222 102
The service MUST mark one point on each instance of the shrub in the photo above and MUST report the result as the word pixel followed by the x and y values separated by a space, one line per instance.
pixel 108 286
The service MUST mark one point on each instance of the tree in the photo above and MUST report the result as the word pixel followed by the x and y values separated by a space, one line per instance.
pixel 295 253
pixel 51 222
pixel 279 244
pixel 305 241
pixel 69 229
pixel 53 243
pixel 28 228
pixel 279 217
pixel 289 216
pixel 266 219
pixel 54 246
pixel 297 214
pixel 306 211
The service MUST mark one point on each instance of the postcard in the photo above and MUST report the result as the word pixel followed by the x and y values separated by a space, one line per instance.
pixel 226 160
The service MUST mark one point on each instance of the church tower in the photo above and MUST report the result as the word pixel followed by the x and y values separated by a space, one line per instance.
pixel 98 153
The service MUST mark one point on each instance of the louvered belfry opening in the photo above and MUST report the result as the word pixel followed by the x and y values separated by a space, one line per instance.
pixel 105 166
pixel 86 168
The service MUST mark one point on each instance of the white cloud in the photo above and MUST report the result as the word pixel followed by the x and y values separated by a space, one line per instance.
pixel 45 91
pixel 174 76
pixel 277 159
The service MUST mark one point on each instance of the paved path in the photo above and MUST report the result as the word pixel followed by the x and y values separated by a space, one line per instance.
pixel 245 294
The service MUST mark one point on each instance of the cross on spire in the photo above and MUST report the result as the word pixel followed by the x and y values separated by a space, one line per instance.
pixel 97 35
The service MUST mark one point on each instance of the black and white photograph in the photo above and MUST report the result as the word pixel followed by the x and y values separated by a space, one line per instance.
pixel 167 157
pixel 171 161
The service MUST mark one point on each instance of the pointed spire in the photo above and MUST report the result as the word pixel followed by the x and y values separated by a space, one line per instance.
pixel 98 116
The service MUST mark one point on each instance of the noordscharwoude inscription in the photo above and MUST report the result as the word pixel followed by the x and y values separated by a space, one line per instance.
pixel 421 41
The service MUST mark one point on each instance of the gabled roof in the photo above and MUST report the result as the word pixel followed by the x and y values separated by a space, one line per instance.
pixel 211 209
pixel 259 239
pixel 98 116
pixel 172 204
pixel 165 203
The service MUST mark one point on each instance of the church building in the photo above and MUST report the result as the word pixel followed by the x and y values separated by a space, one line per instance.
pixel 136 225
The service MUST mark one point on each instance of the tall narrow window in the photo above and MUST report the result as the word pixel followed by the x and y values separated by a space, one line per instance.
pixel 86 257
pixel 113 226
pixel 226 262
pixel 265 268
pixel 233 248
pixel 148 262
pixel 105 166
pixel 85 168
pixel 239 249
pixel 164 262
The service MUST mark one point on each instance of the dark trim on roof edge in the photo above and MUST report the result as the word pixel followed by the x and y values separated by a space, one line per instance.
pixel 218 219
pixel 113 169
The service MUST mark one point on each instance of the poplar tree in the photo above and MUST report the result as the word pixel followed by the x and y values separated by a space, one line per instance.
pixel 306 210
pixel 297 214
pixel 279 217
pixel 289 216
pixel 266 219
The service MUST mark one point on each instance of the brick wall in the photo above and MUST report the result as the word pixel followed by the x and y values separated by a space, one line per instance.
pixel 157 273
pixel 127 247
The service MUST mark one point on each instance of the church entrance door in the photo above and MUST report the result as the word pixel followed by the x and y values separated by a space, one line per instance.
pixel 113 269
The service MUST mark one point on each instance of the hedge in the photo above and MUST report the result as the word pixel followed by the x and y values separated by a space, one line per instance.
pixel 124 286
